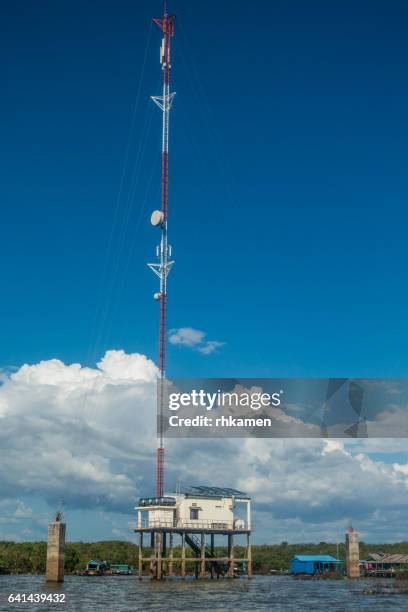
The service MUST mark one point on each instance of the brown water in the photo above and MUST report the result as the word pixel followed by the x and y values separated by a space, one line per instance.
pixel 117 594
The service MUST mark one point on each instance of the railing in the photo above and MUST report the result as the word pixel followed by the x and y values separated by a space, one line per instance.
pixel 157 501
pixel 147 523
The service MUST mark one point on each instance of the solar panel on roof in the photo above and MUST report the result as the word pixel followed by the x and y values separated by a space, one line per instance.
pixel 207 490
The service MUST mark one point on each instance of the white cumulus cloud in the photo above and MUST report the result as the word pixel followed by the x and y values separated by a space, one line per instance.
pixel 74 432
pixel 194 339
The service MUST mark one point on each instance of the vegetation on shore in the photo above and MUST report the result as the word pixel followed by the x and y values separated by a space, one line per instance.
pixel 30 557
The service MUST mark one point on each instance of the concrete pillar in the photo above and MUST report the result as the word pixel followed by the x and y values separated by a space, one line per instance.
pixel 249 556
pixel 212 556
pixel 202 560
pixel 231 556
pixel 183 555
pixel 140 555
pixel 156 560
pixel 164 554
pixel 55 552
pixel 159 541
pixel 152 555
pixel 352 554
pixel 171 554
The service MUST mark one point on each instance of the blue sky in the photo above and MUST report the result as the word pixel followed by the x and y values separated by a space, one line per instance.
pixel 288 185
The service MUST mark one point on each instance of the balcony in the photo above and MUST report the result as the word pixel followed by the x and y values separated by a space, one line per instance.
pixel 191 525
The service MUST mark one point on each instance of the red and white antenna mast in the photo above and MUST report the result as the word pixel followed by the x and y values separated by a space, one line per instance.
pixel 159 219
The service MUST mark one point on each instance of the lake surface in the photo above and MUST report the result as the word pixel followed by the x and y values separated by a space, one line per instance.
pixel 97 594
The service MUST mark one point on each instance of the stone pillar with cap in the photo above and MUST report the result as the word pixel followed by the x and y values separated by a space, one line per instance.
pixel 352 553
pixel 55 550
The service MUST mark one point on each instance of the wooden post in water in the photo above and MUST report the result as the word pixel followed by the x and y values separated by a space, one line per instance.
pixel 183 555
pixel 202 560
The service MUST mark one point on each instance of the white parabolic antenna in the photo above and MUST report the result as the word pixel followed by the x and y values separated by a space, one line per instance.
pixel 157 217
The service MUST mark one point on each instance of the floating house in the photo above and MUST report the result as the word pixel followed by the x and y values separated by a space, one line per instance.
pixel 383 564
pixel 313 565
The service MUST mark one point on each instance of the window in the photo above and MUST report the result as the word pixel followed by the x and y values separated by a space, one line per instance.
pixel 193 514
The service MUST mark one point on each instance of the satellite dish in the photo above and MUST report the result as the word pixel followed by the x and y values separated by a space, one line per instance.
pixel 157 218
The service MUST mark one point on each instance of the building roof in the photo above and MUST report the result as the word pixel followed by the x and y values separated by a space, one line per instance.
pixel 384 558
pixel 206 491
pixel 317 558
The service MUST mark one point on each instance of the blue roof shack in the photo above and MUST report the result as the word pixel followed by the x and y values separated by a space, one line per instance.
pixel 314 564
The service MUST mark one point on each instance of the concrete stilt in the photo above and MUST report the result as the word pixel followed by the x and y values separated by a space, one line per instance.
pixel 156 559
pixel 183 555
pixel 171 555
pixel 159 567
pixel 231 560
pixel 212 555
pixel 249 556
pixel 202 558
pixel 164 555
pixel 140 572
